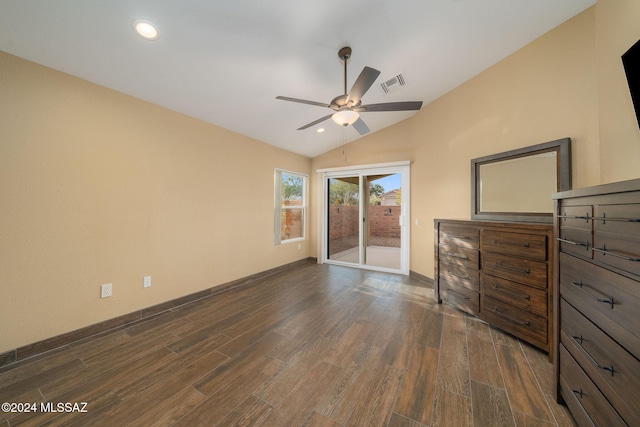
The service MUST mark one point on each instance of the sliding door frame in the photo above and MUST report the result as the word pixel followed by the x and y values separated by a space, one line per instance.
pixel 362 171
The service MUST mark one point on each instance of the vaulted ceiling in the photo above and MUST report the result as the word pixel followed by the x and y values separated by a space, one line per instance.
pixel 225 62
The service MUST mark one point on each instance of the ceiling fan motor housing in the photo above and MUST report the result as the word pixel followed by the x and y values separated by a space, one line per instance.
pixel 340 103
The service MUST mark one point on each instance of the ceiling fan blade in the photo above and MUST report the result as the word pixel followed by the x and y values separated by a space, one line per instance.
pixel 390 106
pixel 315 122
pixel 303 101
pixel 360 126
pixel 364 81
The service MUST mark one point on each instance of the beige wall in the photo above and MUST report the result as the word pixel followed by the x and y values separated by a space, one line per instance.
pixel 98 187
pixel 550 89
pixel 617 29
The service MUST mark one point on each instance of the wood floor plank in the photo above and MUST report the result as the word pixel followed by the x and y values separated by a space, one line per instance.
pixel 417 393
pixel 430 332
pixel 212 382
pixel 561 413
pixel 483 362
pixel 159 396
pixel 453 362
pixel 490 406
pixel 291 372
pixel 343 348
pixel 304 396
pixel 376 404
pixel 401 421
pixel 479 328
pixel 207 332
pixel 525 420
pixel 166 411
pixel 524 394
pixel 502 338
pixel 541 367
pixel 121 353
pixel 252 411
pixel 7 394
pixel 319 420
pixel 345 394
pixel 451 410
pixel 122 363
pixel 227 398
pixel 397 352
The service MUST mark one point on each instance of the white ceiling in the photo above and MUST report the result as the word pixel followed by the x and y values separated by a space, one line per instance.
pixel 224 62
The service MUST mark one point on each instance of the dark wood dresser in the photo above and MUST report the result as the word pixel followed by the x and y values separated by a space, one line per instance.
pixel 597 301
pixel 500 272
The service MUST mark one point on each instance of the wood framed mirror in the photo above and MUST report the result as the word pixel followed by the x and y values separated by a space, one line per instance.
pixel 517 185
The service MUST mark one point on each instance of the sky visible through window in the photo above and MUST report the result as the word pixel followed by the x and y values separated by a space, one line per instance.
pixel 391 182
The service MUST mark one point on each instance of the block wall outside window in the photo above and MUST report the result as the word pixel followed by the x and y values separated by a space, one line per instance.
pixel 290 206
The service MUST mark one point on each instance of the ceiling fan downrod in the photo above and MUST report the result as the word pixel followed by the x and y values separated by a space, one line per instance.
pixel 344 54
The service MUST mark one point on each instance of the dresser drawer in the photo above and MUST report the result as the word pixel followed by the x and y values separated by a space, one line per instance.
pixel 520 270
pixel 466 237
pixel 521 296
pixel 460 297
pixel 615 371
pixel 520 323
pixel 583 398
pixel 576 242
pixel 616 240
pixel 460 276
pixel 608 299
pixel 456 255
pixel 532 246
pixel 578 217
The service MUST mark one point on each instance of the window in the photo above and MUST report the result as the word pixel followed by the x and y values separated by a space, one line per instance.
pixel 290 206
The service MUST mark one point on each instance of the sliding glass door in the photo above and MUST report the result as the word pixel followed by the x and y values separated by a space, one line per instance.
pixel 365 212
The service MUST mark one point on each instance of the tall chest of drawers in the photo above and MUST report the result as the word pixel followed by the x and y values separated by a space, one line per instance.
pixel 500 272
pixel 597 303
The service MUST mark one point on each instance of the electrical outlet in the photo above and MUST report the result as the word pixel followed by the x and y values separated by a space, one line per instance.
pixel 105 290
pixel 147 281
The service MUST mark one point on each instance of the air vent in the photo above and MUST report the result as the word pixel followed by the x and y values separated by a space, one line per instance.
pixel 393 84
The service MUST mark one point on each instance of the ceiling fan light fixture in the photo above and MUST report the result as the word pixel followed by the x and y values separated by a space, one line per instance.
pixel 345 117
pixel 145 29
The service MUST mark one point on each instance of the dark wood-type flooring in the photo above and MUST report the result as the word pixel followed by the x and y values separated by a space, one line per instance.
pixel 318 345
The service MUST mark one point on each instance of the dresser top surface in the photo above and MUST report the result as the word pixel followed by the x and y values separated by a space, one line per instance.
pixel 498 224
pixel 615 187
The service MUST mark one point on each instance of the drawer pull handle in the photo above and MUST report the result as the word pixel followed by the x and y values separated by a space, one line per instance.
pixel 580 286
pixel 459 276
pixel 508 267
pixel 571 242
pixel 513 294
pixel 452 255
pixel 526 244
pixel 457 294
pixel 604 219
pixel 585 216
pixel 499 313
pixel 452 236
pixel 578 341
pixel 579 393
pixel 603 250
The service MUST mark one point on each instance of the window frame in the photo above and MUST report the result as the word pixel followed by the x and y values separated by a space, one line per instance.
pixel 279 208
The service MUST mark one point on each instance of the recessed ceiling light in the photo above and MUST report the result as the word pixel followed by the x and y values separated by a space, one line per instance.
pixel 320 130
pixel 145 29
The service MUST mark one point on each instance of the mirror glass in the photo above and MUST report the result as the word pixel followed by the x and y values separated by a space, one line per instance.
pixel 523 184
pixel 518 185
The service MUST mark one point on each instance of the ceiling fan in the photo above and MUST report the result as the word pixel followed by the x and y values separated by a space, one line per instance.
pixel 348 106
